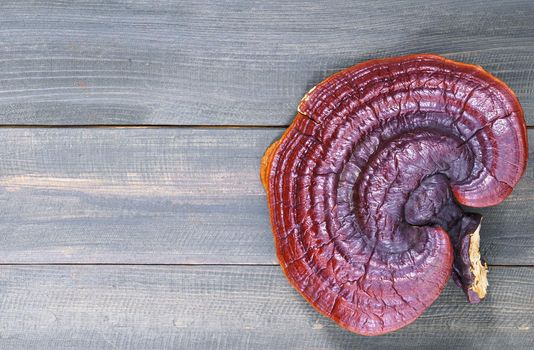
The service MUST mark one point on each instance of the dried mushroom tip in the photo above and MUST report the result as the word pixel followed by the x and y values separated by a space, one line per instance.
pixel 470 272
pixel 364 186
pixel 477 267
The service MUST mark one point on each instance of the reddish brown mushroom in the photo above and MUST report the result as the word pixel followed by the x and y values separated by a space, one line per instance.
pixel 364 187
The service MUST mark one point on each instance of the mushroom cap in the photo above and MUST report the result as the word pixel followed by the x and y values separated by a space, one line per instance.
pixel 357 183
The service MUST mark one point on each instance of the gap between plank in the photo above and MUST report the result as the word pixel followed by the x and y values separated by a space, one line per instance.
pixel 149 126
pixel 194 264
pixel 140 126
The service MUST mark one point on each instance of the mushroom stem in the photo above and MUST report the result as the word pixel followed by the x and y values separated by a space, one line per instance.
pixel 470 271
pixel 478 268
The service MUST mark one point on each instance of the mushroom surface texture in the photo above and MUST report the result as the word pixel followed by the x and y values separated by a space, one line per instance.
pixel 366 186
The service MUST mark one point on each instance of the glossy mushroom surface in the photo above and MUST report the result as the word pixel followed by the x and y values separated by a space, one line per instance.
pixel 365 186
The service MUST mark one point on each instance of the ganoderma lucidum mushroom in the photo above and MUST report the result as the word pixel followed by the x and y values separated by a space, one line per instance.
pixel 365 186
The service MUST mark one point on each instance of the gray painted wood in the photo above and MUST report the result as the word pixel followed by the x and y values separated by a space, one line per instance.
pixel 168 196
pixel 233 307
pixel 233 62
pixel 192 196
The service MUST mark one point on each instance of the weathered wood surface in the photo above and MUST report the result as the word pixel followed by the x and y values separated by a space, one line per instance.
pixel 233 307
pixel 79 196
pixel 168 196
pixel 232 62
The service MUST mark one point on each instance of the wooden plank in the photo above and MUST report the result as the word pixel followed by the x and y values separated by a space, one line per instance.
pixel 233 307
pixel 133 195
pixel 167 196
pixel 233 62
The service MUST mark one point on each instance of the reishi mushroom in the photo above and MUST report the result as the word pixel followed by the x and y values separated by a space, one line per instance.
pixel 365 186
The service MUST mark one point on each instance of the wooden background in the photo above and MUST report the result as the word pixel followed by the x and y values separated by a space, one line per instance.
pixel 131 212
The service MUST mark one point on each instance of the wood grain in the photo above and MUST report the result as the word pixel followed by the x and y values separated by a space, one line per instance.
pixel 168 196
pixel 233 307
pixel 192 195
pixel 233 62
